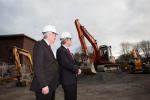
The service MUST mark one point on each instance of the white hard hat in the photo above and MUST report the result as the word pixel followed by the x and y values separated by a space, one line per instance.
pixel 49 28
pixel 65 35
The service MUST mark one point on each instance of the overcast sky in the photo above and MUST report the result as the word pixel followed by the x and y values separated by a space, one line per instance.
pixel 109 21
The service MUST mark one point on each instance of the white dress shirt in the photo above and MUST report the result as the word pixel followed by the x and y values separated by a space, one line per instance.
pixel 47 42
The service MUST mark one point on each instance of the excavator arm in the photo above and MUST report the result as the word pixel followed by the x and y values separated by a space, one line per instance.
pixel 81 37
pixel 90 38
pixel 82 34
pixel 16 53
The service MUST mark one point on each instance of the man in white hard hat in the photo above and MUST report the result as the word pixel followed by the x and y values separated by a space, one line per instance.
pixel 68 67
pixel 45 67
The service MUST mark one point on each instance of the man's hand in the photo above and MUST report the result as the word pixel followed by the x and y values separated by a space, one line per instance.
pixel 45 90
pixel 79 71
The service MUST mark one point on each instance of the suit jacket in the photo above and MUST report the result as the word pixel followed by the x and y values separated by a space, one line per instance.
pixel 45 67
pixel 68 67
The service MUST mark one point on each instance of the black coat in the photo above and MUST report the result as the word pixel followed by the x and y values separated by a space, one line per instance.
pixel 68 67
pixel 45 67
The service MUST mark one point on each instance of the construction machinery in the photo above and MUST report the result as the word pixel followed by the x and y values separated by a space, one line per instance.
pixel 24 73
pixel 136 64
pixel 101 59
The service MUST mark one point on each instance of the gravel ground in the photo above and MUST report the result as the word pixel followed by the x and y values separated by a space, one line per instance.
pixel 102 86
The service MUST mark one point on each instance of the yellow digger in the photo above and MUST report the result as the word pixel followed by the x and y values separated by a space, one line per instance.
pixel 136 65
pixel 24 77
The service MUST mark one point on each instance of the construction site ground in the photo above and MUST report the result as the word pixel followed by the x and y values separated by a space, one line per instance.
pixel 102 86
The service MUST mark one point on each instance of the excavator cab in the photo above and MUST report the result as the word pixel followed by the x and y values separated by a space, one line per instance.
pixel 106 54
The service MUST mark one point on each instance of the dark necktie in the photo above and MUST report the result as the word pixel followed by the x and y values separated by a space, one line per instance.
pixel 70 53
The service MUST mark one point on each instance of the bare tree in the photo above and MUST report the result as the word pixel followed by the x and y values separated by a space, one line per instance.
pixel 136 46
pixel 145 48
pixel 79 54
pixel 126 47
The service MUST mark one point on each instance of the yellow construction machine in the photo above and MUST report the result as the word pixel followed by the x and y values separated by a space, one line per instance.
pixel 136 64
pixel 24 73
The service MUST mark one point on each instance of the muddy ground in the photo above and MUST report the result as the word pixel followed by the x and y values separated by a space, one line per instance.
pixel 103 86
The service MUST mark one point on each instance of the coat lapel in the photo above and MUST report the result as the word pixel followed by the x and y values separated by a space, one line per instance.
pixel 69 55
pixel 49 49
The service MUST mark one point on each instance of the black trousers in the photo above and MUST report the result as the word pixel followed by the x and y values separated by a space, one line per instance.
pixel 70 91
pixel 49 96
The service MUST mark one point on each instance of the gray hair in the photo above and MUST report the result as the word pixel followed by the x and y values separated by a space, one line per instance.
pixel 63 41
pixel 46 34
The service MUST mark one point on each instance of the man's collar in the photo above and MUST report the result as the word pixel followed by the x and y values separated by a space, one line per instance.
pixel 46 42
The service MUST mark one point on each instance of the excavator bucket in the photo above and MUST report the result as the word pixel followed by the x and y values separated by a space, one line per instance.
pixel 88 68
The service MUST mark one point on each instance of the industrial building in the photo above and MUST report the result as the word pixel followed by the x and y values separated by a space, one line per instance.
pixel 19 40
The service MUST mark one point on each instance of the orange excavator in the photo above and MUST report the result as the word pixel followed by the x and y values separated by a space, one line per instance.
pixel 101 59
